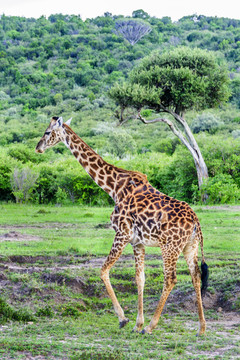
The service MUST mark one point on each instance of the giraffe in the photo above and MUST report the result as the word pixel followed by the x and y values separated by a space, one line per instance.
pixel 142 216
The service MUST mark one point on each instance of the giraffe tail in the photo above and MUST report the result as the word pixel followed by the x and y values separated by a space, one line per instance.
pixel 204 266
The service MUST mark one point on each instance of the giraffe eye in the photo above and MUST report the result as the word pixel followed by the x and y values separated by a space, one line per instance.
pixel 47 132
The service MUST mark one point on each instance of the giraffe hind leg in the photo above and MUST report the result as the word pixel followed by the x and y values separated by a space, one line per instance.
pixel 190 255
pixel 170 280
pixel 139 253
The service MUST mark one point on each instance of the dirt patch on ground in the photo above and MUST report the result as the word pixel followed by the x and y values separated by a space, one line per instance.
pixel 216 301
pixel 45 225
pixel 103 226
pixel 66 271
pixel 16 236
pixel 223 207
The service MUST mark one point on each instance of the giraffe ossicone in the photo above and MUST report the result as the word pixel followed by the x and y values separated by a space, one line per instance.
pixel 142 216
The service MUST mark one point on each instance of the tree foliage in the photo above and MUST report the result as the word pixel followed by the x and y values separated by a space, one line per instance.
pixel 181 79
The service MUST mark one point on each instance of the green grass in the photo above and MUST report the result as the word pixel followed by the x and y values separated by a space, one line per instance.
pixel 54 304
pixel 64 228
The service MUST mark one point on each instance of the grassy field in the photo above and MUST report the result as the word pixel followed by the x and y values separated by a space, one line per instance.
pixel 53 304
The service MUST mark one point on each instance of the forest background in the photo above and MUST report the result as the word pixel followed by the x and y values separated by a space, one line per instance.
pixel 64 66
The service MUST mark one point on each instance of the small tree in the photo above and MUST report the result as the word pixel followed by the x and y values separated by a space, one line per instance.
pixel 132 30
pixel 23 182
pixel 172 83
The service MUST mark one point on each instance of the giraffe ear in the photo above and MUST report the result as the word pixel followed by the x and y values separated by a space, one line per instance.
pixel 68 122
pixel 57 122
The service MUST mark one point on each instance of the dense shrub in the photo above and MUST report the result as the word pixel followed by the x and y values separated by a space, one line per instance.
pixel 7 165
pixel 221 189
pixel 62 180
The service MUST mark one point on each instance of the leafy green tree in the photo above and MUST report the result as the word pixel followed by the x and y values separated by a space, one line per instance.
pixel 140 14
pixel 119 141
pixel 173 83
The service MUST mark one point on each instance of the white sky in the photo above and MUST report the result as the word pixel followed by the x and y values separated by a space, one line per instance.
pixel 93 8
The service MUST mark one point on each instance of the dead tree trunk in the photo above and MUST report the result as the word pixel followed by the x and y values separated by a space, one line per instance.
pixel 186 139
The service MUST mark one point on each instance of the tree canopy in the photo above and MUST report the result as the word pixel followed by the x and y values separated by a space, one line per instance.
pixel 180 80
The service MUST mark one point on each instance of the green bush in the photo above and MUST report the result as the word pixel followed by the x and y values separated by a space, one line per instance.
pixel 45 312
pixel 7 164
pixel 167 145
pixel 221 189
pixel 222 155
pixel 8 313
pixel 62 180
pixel 206 122
pixel 61 196
pixel 47 186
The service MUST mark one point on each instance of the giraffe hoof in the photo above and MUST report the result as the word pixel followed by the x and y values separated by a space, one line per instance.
pixel 135 330
pixel 144 331
pixel 123 323
pixel 200 334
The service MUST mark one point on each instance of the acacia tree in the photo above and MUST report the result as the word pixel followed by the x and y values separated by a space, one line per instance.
pixel 173 83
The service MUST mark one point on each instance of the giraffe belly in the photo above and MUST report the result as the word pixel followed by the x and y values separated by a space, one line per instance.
pixel 144 238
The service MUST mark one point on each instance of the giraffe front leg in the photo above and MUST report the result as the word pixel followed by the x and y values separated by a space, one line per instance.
pixel 167 288
pixel 119 244
pixel 139 253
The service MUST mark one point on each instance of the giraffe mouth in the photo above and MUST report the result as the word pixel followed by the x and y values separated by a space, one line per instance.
pixel 39 147
pixel 39 151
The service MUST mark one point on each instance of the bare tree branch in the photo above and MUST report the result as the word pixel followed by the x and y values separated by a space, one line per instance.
pixel 132 30
pixel 191 139
pixel 175 130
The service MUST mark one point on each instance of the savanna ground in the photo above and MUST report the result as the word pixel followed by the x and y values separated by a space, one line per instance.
pixel 53 304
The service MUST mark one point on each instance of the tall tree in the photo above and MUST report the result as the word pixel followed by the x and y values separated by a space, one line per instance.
pixel 173 83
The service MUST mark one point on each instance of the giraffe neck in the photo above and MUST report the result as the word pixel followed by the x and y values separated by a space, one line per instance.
pixel 95 166
pixel 115 181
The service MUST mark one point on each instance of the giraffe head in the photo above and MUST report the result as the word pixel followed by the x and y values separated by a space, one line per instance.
pixel 52 135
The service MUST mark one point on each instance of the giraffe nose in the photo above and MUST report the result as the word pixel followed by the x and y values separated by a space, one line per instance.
pixel 39 151
pixel 39 147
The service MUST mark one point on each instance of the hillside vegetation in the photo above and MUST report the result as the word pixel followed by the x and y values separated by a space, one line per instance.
pixel 65 66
